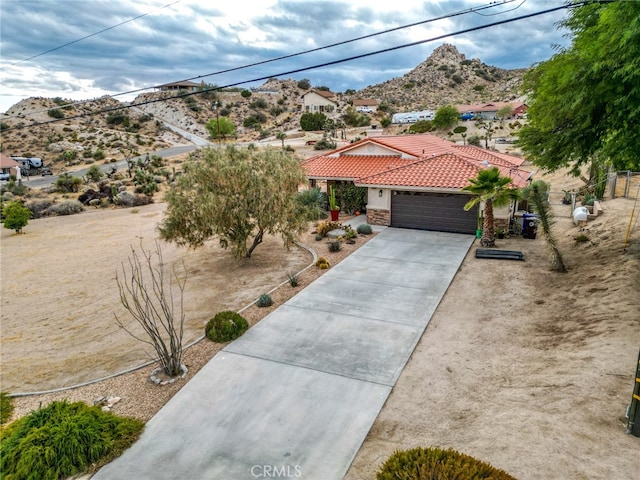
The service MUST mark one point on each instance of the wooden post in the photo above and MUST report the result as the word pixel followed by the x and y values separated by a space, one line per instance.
pixel 633 416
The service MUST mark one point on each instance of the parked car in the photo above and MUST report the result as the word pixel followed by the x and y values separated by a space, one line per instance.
pixel 4 176
pixel 45 171
pixel 364 110
pixel 467 116
pixel 501 140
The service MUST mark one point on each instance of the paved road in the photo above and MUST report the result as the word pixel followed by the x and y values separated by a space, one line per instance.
pixel 298 393
pixel 41 182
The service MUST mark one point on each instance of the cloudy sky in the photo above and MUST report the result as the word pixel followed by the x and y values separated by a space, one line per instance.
pixel 174 40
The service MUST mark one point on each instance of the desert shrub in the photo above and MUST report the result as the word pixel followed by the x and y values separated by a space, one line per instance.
pixel 312 121
pixel 126 199
pixel 226 326
pixel 259 103
pixel 325 143
pixel 435 463
pixel 55 113
pixel 38 207
pixel 293 279
pixel 321 260
pixel 98 154
pixel 64 439
pixel 325 227
pixel 264 300
pixel 6 407
pixel 94 173
pixel 245 93
pixel 350 234
pixel 474 140
pixel 364 229
pixel 319 237
pixel 68 207
pixel 581 238
pixel 334 245
pixel 67 183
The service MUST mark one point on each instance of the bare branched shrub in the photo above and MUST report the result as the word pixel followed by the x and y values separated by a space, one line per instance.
pixel 148 296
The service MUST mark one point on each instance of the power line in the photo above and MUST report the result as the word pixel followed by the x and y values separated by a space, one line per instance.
pixel 321 65
pixel 492 4
pixel 91 35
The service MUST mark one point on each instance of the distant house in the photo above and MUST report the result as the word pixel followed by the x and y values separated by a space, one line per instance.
pixel 186 85
pixel 369 105
pixel 416 181
pixel 489 110
pixel 6 164
pixel 314 101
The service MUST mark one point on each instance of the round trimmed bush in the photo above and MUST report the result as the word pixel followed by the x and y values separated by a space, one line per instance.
pixel 226 326
pixel 430 463
pixel 364 229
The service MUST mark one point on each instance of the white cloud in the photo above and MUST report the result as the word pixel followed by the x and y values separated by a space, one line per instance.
pixel 193 38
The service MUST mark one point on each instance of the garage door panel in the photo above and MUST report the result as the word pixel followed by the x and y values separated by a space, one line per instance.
pixel 433 211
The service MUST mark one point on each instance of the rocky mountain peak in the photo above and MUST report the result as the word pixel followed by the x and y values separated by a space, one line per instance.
pixel 446 53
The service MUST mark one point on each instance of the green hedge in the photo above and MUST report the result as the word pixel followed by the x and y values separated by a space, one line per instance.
pixel 437 464
pixel 63 439
pixel 226 326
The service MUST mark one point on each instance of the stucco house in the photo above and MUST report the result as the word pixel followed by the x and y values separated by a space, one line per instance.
pixel 185 85
pixel 324 101
pixel 365 104
pixel 415 181
pixel 489 110
pixel 8 167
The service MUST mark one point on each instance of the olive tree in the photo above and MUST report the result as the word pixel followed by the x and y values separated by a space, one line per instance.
pixel 237 195
pixel 16 216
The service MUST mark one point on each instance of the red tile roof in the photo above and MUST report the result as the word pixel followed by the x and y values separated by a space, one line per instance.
pixel 442 171
pixel 429 162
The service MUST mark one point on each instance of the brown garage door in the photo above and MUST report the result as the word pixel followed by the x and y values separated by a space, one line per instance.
pixel 433 211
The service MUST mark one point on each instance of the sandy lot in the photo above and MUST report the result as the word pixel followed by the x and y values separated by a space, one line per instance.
pixel 527 369
pixel 59 293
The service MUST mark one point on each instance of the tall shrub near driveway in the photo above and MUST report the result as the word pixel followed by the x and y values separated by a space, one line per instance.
pixel 237 195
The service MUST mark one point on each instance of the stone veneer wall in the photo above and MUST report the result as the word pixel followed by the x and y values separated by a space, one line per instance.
pixel 378 217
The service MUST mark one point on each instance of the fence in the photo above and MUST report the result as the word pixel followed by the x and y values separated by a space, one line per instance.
pixel 623 184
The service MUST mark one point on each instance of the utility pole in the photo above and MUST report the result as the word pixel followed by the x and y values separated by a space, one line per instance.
pixel 215 107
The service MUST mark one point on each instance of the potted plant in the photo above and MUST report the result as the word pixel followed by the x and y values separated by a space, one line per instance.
pixel 333 205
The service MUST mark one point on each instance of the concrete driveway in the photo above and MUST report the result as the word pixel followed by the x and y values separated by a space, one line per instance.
pixel 296 395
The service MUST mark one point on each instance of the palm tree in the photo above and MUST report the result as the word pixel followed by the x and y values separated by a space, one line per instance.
pixel 281 136
pixel 492 189
pixel 537 193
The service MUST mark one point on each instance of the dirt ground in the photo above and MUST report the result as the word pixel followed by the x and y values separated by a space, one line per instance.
pixel 529 370
pixel 59 294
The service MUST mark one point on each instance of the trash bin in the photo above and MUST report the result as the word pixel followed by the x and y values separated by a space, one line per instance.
pixel 529 225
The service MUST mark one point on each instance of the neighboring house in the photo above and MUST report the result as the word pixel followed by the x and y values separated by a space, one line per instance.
pixel 366 105
pixel 315 101
pixel 7 167
pixel 186 85
pixel 415 181
pixel 489 110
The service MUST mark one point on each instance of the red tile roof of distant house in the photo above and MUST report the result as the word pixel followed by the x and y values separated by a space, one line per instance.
pixel 350 167
pixel 7 162
pixel 365 102
pixel 322 93
pixel 487 107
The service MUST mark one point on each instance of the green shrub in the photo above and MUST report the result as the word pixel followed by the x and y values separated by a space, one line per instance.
pixel 67 183
pixel 264 300
pixel 335 245
pixel 312 202
pixel 364 229
pixel 55 113
pixel 226 326
pixel 38 207
pixel 15 216
pixel 64 439
pixel 6 407
pixel 94 173
pixel 435 463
